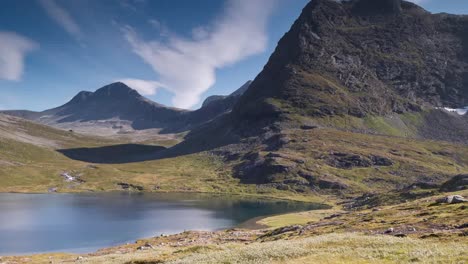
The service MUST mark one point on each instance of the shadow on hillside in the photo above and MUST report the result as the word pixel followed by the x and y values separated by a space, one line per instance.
pixel 116 154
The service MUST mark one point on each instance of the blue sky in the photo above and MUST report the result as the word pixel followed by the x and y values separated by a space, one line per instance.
pixel 175 52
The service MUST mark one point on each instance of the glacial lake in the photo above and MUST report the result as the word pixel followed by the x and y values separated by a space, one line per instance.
pixel 81 223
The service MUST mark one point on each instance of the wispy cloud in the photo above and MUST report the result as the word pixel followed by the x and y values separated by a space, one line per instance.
pixel 144 87
pixel 13 49
pixel 62 18
pixel 187 66
pixel 132 5
pixel 160 27
pixel 417 1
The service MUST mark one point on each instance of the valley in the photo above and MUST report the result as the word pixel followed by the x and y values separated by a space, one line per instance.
pixel 360 108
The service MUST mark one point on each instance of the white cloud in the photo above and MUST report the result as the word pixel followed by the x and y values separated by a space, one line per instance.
pixel 187 66
pixel 144 87
pixel 417 1
pixel 13 49
pixel 62 17
pixel 132 5
pixel 160 27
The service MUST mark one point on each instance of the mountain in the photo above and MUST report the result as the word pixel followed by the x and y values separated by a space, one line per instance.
pixel 350 102
pixel 116 108
pixel 361 59
pixel 234 95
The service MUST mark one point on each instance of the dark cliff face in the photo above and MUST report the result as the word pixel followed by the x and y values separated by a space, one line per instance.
pixel 377 7
pixel 363 57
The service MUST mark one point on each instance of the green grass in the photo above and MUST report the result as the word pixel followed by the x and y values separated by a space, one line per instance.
pixel 337 248
pixel 300 218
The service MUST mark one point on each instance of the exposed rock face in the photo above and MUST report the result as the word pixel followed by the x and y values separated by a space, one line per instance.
pixel 357 60
pixel 457 183
pixel 379 7
pixel 361 58
pixel 348 161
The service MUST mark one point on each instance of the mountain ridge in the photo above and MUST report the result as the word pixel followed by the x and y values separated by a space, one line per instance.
pixel 117 107
pixel 336 63
pixel 337 77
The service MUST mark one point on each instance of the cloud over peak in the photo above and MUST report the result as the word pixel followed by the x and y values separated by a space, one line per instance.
pixel 13 49
pixel 187 66
pixel 144 87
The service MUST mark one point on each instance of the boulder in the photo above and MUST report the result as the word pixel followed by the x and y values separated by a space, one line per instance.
pixel 145 247
pixel 308 127
pixel 452 199
pixel 348 160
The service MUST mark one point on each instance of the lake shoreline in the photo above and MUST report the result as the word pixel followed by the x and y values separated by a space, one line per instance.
pixel 260 208
pixel 262 196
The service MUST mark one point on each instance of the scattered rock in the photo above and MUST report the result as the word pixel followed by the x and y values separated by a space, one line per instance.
pixel 262 170
pixel 452 199
pixel 128 186
pixel 283 230
pixel 146 246
pixel 332 216
pixel 348 161
pixel 381 161
pixel 457 183
pixel 282 187
pixel 389 231
pixel 459 199
pixel 429 236
pixel 52 190
pixel 308 127
pixel 423 185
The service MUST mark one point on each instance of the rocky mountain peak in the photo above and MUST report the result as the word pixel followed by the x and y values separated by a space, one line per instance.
pixel 335 62
pixel 81 97
pixel 377 7
pixel 117 90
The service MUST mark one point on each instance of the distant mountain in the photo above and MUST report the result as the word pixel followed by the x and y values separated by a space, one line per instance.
pixel 116 108
pixel 237 93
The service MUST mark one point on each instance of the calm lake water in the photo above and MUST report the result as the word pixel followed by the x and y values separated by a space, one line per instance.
pixel 35 223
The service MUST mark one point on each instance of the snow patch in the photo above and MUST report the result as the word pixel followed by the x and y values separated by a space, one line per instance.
pixel 68 177
pixel 460 111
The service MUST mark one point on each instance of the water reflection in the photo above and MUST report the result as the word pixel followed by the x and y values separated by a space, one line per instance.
pixel 31 223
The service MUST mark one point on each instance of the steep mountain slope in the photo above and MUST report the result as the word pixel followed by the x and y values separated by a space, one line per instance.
pixel 350 102
pixel 116 108
pixel 362 59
